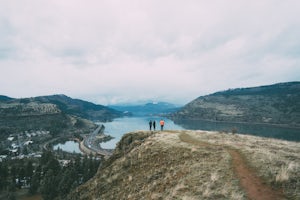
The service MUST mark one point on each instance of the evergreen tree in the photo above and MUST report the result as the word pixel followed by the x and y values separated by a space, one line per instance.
pixel 12 186
pixel 86 167
pixel 67 181
pixel 49 187
pixel 29 169
pixel 11 196
pixel 91 167
pixel 13 176
pixel 21 176
pixel 36 180
pixel 34 184
pixel 3 175
pixel 53 165
pixel 46 156
pixel 78 165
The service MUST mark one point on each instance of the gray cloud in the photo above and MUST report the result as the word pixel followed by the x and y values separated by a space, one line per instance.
pixel 117 51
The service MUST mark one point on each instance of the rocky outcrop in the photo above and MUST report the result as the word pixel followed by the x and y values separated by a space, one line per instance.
pixel 273 104
pixel 25 109
pixel 195 165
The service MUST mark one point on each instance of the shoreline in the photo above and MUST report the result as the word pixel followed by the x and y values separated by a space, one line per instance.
pixel 85 150
pixel 289 126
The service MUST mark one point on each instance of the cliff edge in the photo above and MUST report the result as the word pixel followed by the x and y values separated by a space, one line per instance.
pixel 196 165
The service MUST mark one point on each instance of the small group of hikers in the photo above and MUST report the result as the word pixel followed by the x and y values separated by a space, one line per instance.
pixel 153 124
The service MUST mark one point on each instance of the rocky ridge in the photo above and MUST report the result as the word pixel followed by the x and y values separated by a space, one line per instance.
pixel 196 165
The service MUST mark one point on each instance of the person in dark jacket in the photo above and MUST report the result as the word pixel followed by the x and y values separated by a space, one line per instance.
pixel 154 124
pixel 150 125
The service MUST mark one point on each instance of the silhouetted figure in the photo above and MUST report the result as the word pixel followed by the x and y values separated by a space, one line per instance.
pixel 154 125
pixel 150 125
pixel 162 123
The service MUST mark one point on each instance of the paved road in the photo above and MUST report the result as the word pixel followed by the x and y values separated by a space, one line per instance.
pixel 90 143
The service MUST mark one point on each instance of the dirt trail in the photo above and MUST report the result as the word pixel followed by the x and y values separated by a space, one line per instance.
pixel 254 187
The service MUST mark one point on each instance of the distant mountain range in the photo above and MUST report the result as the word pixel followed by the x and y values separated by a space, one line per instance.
pixel 57 112
pixel 148 109
pixel 272 104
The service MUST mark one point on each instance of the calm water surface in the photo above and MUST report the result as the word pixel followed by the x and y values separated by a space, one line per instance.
pixel 68 146
pixel 120 126
pixel 271 131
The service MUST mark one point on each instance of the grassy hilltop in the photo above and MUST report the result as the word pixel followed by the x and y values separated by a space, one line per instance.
pixel 196 165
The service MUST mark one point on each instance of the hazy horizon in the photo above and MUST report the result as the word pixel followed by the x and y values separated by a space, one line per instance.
pixel 144 101
pixel 112 52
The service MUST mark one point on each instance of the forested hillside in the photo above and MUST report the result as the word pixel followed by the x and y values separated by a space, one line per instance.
pixel 56 113
pixel 273 104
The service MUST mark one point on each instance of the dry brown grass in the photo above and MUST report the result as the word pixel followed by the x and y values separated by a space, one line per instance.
pixel 276 161
pixel 168 166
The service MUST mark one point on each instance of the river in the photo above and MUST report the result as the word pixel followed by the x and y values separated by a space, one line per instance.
pixel 118 127
pixel 264 130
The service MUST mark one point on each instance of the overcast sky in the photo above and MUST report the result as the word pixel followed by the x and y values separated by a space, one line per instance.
pixel 163 50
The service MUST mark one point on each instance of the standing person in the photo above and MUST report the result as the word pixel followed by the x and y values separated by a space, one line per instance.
pixel 150 125
pixel 154 125
pixel 162 123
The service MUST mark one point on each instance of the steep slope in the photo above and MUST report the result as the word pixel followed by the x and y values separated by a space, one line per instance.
pixel 273 104
pixel 80 108
pixel 57 113
pixel 5 98
pixel 196 165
